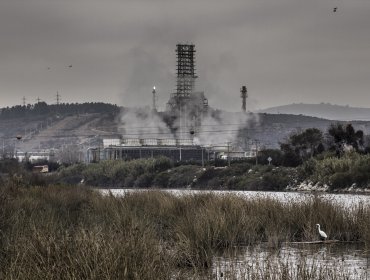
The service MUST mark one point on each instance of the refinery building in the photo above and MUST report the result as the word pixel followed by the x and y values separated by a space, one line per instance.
pixel 186 108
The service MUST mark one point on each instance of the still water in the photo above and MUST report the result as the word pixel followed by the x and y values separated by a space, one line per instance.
pixel 316 261
pixel 319 261
pixel 346 200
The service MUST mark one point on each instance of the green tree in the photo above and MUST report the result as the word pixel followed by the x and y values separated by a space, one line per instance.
pixel 301 146
pixel 341 135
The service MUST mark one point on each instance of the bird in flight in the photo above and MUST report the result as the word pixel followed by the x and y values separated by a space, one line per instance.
pixel 335 9
pixel 70 66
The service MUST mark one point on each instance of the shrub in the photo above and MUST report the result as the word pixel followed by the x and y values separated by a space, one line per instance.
pixel 182 176
pixel 144 180
pixel 341 180
pixel 339 172
pixel 161 179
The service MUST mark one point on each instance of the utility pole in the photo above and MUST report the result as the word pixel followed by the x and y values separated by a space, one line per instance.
pixel 257 145
pixel 228 153
pixel 58 98
pixel 38 100
pixel 202 158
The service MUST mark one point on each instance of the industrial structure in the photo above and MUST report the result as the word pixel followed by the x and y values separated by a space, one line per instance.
pixel 244 95
pixel 186 105
pixel 126 149
pixel 154 100
pixel 175 149
pixel 186 108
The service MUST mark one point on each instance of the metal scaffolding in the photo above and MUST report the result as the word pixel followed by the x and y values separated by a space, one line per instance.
pixel 185 70
pixel 186 105
pixel 244 95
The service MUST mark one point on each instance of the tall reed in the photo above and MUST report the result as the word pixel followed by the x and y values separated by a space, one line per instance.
pixel 75 233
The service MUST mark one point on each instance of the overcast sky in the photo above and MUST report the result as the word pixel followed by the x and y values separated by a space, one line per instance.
pixel 285 51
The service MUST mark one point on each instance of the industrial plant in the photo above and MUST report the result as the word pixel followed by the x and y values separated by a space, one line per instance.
pixel 189 124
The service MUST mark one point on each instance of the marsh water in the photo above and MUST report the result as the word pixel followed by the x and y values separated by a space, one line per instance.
pixel 346 200
pixel 328 261
pixel 342 260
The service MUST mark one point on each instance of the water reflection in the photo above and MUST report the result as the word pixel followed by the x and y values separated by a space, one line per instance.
pixel 346 200
pixel 314 261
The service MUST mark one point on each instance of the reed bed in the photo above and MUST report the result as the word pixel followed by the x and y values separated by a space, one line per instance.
pixel 61 232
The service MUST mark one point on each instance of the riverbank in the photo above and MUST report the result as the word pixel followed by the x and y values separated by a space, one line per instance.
pixel 350 173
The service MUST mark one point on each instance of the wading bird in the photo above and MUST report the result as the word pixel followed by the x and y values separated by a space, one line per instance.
pixel 322 234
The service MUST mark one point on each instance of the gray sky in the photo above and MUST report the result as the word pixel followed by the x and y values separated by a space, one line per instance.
pixel 285 51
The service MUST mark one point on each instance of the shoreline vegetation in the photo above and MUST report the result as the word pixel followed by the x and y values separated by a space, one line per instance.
pixel 308 160
pixel 74 232
pixel 347 174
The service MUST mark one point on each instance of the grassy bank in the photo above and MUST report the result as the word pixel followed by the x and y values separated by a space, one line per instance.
pixel 75 233
pixel 348 172
pixel 162 173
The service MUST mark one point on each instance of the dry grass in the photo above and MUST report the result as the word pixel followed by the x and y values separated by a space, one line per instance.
pixel 75 233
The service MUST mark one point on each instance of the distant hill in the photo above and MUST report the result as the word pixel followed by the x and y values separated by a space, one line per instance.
pixel 322 110
pixel 84 125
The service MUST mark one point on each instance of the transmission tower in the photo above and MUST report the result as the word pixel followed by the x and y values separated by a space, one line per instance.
pixel 244 95
pixel 24 101
pixel 58 98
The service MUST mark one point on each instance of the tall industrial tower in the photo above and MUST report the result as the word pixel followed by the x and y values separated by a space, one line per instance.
pixel 186 105
pixel 244 95
pixel 185 70
pixel 154 100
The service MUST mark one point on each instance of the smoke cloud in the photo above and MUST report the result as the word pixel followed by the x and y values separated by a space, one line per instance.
pixel 216 127
pixel 143 123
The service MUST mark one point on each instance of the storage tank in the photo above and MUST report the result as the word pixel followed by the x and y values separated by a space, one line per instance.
pixel 167 142
pixel 185 142
pixel 111 142
pixel 150 142
pixel 132 142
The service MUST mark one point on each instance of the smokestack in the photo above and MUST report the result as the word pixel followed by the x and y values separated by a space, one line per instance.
pixel 154 100
pixel 244 95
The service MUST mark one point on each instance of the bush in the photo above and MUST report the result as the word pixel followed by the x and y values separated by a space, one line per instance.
pixel 350 169
pixel 144 180
pixel 275 181
pixel 340 180
pixel 182 176
pixel 161 179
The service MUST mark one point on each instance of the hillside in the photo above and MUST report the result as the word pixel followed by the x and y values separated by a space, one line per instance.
pixel 43 126
pixel 322 110
pixel 83 129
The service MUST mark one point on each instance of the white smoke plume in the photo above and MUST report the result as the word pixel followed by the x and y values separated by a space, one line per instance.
pixel 221 128
pixel 143 123
pixel 216 127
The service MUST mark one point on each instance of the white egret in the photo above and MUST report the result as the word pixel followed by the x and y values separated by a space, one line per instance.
pixel 322 234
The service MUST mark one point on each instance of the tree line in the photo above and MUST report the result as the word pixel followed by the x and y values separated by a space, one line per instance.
pixel 44 109
pixel 301 146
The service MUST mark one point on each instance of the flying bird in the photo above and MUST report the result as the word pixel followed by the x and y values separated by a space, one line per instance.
pixel 70 66
pixel 335 9
pixel 322 234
